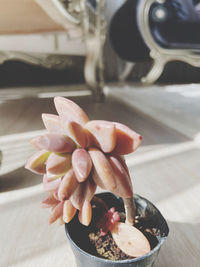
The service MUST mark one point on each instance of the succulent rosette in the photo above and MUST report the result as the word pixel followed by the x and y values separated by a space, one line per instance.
pixel 77 155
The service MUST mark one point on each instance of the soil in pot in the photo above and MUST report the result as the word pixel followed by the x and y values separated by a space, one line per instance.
pixel 105 246
pixel 149 221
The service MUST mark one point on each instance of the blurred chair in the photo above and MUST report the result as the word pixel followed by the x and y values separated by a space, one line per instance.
pixel 32 30
pixel 164 30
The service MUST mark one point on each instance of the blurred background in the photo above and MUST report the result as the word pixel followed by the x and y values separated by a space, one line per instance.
pixel 96 53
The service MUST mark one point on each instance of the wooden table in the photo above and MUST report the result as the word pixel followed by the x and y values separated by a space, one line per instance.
pixel 165 170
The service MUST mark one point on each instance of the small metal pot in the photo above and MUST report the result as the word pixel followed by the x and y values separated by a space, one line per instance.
pixel 152 218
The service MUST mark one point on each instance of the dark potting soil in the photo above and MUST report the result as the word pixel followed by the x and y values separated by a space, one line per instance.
pixel 105 246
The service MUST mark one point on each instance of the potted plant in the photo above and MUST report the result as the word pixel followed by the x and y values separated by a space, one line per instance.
pixel 77 155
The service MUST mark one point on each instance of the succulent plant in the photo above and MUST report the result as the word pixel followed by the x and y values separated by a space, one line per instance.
pixel 77 155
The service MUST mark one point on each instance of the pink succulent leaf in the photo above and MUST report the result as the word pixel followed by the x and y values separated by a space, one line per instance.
pixel 130 240
pixel 127 140
pixel 50 186
pixel 82 164
pixel 69 211
pixel 110 218
pixel 123 162
pixel 124 187
pixel 57 143
pixel 90 189
pixel 58 163
pixel 57 212
pixel 53 123
pixel 37 162
pixel 85 214
pixel 103 168
pixel 77 133
pixel 97 179
pixel 55 194
pixel 68 185
pixel 51 176
pixel 102 134
pixel 78 197
pixel 70 111
pixel 49 202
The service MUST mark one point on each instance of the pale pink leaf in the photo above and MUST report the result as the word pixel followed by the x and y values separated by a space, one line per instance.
pixel 82 164
pixel 102 134
pixel 37 162
pixel 97 179
pixel 85 214
pixel 69 211
pixel 103 168
pixel 54 142
pixel 127 140
pixel 124 185
pixel 58 163
pixel 68 185
pixel 57 212
pixel 90 188
pixel 78 197
pixel 51 186
pixel 49 202
pixel 130 240
pixel 51 176
pixel 70 111
pixel 53 123
pixel 77 133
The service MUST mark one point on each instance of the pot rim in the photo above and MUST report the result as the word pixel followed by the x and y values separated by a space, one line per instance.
pixel 157 247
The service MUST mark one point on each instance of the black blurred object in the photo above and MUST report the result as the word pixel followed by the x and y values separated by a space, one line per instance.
pixel 174 24
pixel 17 73
pixel 143 30
pixel 125 35
pixel 178 27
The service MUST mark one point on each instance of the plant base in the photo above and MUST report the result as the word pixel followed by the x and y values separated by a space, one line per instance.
pixel 150 219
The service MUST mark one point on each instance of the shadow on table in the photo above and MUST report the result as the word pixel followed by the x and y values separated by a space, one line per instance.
pixel 18 179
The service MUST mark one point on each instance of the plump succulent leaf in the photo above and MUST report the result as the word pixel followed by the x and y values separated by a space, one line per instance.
pixel 82 164
pixel 49 202
pixel 58 163
pixel 37 162
pixel 50 186
pixel 102 134
pixel 57 143
pixel 90 188
pixel 70 111
pixel 52 123
pixel 57 212
pixel 77 133
pixel 51 176
pixel 78 197
pixel 85 214
pixel 130 240
pixel 103 168
pixel 69 211
pixel 127 140
pixel 68 185
pixel 97 179
pixel 124 185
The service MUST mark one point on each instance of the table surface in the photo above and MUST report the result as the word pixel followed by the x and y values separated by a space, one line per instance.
pixel 165 170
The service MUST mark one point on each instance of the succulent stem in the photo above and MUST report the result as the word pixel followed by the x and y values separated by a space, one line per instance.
pixel 129 205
